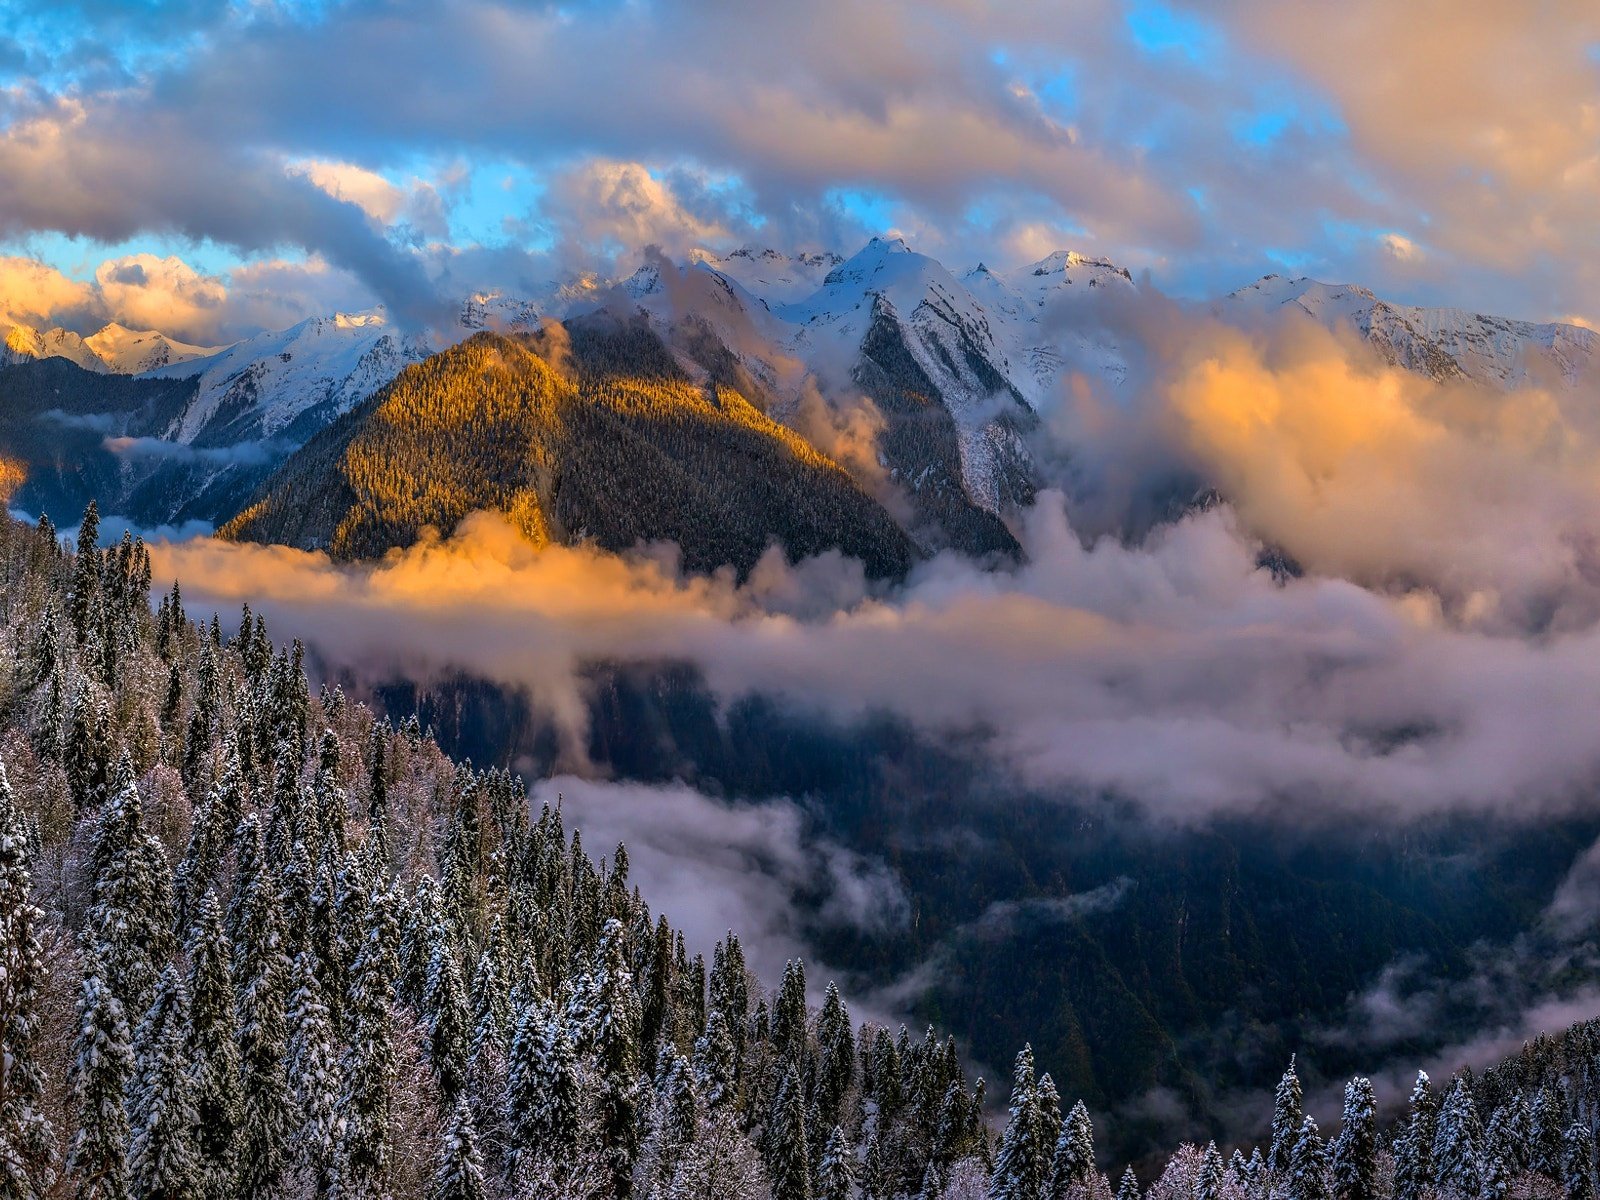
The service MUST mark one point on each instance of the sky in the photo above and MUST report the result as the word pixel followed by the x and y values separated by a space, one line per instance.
pixel 213 167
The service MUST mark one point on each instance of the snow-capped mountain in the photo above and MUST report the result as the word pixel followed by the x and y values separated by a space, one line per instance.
pixel 1043 333
pixel 1442 343
pixel 130 351
pixel 772 276
pixel 888 301
pixel 288 384
pixel 113 350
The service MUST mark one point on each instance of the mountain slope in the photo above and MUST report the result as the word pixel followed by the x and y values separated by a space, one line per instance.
pixel 61 424
pixel 24 344
pixel 614 444
pixel 131 352
pixel 1442 343
pixel 113 350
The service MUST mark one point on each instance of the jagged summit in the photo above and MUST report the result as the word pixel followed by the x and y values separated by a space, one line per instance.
pixel 1442 343
pixel 114 349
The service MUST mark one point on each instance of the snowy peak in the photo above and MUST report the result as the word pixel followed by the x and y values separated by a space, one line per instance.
pixel 115 349
pixel 129 352
pixel 772 276
pixel 23 343
pixel 1442 343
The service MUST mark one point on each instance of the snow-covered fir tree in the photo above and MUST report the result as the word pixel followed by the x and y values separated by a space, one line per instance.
pixel 27 1140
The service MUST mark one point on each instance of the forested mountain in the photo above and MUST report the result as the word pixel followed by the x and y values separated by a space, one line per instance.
pixel 1137 958
pixel 76 436
pixel 259 943
pixel 587 433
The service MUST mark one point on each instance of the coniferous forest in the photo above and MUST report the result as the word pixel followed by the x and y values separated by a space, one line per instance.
pixel 258 942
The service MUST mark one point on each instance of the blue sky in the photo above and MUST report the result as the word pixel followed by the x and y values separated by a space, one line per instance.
pixel 276 157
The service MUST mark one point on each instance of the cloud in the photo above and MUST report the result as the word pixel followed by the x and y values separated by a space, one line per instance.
pixel 167 294
pixel 991 130
pixel 33 293
pixel 242 454
pixel 999 922
pixel 1401 248
pixel 702 860
pixel 419 206
pixel 1177 673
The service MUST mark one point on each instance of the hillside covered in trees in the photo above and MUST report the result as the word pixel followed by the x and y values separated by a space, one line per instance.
pixel 256 942
pixel 590 432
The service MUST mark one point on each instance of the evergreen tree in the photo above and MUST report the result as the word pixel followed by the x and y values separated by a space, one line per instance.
pixel 716 1062
pixel 1019 1169
pixel 1577 1162
pixel 788 1156
pixel 27 1141
pixel 1073 1164
pixel 1546 1153
pixel 1128 1189
pixel 458 1173
pixel 97 1159
pixel 363 1158
pixel 676 1117
pixel 313 1076
pixel 836 1177
pixel 83 607
pixel 616 1057
pixel 1355 1150
pixel 447 1017
pixel 262 981
pixel 130 918
pixel 1308 1166
pixel 543 1090
pixel 1208 1176
pixel 213 1047
pixel 1456 1166
pixel 162 1160
pixel 1287 1112
pixel 789 1013
pixel 1413 1145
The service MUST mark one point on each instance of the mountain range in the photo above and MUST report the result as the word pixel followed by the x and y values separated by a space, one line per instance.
pixel 958 369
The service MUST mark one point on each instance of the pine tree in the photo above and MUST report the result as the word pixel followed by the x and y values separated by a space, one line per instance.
pixel 1308 1166
pixel 447 1017
pixel 543 1090
pixel 162 1159
pixel 1546 1152
pixel 616 1057
pixel 1019 1169
pixel 1355 1150
pixel 1456 1166
pixel 313 1076
pixel 131 915
pixel 1287 1112
pixel 789 1013
pixel 1073 1164
pixel 836 1177
pixel 27 1141
pixel 716 1062
pixel 1048 1133
pixel 213 1047
pixel 1128 1189
pixel 788 1156
pixel 1577 1162
pixel 458 1173
pixel 85 575
pixel 1413 1145
pixel 368 1068
pixel 97 1159
pixel 675 1119
pixel 1208 1177
pixel 262 981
